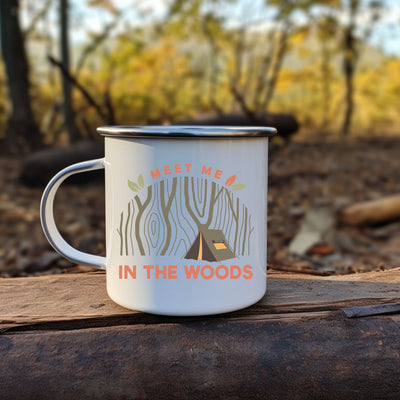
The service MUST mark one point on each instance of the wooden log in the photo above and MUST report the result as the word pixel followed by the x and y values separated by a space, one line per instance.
pixel 79 298
pixel 372 212
pixel 64 339
pixel 286 124
pixel 314 358
pixel 39 167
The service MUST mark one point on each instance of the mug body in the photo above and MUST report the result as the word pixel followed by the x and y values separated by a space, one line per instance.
pixel 186 222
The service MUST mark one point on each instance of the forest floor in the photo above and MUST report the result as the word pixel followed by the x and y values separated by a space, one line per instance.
pixel 307 175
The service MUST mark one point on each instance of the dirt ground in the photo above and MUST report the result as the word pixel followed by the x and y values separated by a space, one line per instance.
pixel 305 175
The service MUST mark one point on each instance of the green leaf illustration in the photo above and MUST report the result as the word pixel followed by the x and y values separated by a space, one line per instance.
pixel 238 186
pixel 133 186
pixel 141 181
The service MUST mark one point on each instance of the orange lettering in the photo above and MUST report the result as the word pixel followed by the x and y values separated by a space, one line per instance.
pixel 225 271
pixel 203 270
pixel 247 270
pixel 206 171
pixel 192 271
pixel 156 174
pixel 125 270
pixel 149 268
pixel 131 272
pixel 178 169
pixel 218 173
pixel 161 271
pixel 167 170
pixel 235 268
pixel 172 271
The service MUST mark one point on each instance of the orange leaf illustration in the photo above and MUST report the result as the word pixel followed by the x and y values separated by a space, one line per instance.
pixel 230 180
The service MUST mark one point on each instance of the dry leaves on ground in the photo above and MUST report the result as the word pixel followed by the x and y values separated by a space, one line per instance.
pixel 303 176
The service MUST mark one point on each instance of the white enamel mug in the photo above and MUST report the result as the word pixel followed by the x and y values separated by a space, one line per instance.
pixel 186 217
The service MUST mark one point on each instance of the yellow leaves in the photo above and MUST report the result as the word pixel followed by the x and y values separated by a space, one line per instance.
pixel 151 84
pixel 300 35
pixel 289 77
pixel 106 5
pixel 303 52
pixel 378 93
pixel 331 3
pixel 155 76
pixel 392 68
pixel 285 80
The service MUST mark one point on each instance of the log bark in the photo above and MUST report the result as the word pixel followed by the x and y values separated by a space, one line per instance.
pixel 372 212
pixel 322 358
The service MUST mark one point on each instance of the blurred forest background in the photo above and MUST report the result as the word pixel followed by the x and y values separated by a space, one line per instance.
pixel 69 66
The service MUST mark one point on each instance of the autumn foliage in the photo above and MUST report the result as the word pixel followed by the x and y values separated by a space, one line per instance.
pixel 193 60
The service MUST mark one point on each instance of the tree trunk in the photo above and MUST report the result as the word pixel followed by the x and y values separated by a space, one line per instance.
pixel 276 67
pixel 349 64
pixel 348 70
pixel 326 85
pixel 69 114
pixel 21 126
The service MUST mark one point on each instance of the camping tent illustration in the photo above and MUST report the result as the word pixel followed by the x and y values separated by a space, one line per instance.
pixel 210 245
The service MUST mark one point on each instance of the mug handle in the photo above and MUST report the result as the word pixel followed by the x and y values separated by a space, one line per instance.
pixel 47 216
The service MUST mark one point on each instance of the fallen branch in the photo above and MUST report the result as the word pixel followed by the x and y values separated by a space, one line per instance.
pixel 372 212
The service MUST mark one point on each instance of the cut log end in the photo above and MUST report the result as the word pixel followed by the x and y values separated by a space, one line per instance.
pixel 372 212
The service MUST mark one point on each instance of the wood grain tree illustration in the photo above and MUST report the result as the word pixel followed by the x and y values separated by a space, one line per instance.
pixel 166 217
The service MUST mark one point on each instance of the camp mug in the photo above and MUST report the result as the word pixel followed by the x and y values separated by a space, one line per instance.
pixel 186 217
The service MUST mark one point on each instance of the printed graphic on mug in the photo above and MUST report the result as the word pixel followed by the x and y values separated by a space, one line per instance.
pixel 187 217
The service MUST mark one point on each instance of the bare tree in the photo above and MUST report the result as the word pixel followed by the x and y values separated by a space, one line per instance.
pixel 326 30
pixel 252 59
pixel 21 126
pixel 350 56
pixel 351 49
pixel 68 110
pixel 38 15
pixel 70 80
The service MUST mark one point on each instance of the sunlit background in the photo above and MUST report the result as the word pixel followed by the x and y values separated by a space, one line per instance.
pixel 332 64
